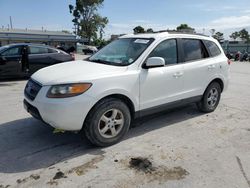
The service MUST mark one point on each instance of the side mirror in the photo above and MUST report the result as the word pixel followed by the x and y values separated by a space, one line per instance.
pixel 154 62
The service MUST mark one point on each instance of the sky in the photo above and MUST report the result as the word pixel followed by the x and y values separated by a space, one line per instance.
pixel 225 16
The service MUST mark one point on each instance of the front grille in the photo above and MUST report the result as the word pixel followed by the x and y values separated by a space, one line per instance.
pixel 31 89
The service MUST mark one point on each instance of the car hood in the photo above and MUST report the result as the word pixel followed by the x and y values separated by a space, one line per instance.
pixel 75 72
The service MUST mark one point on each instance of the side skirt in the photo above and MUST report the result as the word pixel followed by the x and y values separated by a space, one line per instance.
pixel 166 106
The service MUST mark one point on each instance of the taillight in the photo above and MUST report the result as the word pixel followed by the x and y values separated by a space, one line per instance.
pixel 229 62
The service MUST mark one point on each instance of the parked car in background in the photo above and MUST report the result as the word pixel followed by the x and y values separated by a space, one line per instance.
pixel 21 60
pixel 131 77
pixel 89 49
pixel 237 56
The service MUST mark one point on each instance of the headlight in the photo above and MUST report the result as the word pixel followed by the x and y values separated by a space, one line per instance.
pixel 67 90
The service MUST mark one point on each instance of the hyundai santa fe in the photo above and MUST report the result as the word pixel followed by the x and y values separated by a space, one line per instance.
pixel 131 77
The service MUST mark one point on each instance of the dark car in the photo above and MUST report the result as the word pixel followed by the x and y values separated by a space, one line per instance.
pixel 21 60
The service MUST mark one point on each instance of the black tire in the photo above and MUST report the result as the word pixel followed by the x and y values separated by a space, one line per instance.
pixel 205 105
pixel 92 123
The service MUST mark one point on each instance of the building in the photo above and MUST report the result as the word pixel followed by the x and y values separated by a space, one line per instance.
pixel 235 46
pixel 52 38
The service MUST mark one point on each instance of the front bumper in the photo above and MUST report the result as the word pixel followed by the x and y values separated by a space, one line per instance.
pixel 32 110
pixel 66 114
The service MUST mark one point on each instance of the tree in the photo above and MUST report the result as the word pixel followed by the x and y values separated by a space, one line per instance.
pixel 139 29
pixel 100 42
pixel 244 35
pixel 88 23
pixel 219 36
pixel 184 27
pixel 150 30
pixel 234 35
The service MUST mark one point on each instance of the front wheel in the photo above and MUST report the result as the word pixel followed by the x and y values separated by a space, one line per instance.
pixel 211 98
pixel 107 122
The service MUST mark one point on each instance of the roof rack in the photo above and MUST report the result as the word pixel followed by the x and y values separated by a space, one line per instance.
pixel 180 32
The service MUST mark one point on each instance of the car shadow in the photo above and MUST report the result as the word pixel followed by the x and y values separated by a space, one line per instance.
pixel 28 144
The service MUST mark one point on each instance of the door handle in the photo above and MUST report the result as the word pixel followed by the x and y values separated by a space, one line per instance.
pixel 210 67
pixel 178 74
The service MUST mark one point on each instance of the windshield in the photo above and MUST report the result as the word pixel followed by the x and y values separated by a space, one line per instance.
pixel 122 52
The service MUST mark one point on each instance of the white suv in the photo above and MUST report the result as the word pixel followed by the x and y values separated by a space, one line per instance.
pixel 131 77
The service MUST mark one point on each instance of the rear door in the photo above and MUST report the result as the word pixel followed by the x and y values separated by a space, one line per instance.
pixel 38 58
pixel 198 67
pixel 10 62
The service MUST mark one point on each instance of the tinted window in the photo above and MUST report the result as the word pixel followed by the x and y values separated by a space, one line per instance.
pixel 12 51
pixel 212 47
pixel 193 50
pixel 52 50
pixel 167 50
pixel 38 50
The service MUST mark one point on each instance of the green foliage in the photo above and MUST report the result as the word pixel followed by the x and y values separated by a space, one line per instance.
pixel 183 27
pixel 244 35
pixel 139 29
pixel 88 23
pixel 150 30
pixel 219 36
pixel 235 35
pixel 100 42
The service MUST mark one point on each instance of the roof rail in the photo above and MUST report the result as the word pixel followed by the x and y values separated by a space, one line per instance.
pixel 180 32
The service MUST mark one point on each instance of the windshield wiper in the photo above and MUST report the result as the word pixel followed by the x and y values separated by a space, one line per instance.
pixel 107 62
pixel 100 61
pixel 104 62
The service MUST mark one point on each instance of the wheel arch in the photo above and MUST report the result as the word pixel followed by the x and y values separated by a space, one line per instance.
pixel 121 97
pixel 219 81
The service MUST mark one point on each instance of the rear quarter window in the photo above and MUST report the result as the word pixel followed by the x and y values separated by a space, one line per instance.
pixel 193 50
pixel 212 48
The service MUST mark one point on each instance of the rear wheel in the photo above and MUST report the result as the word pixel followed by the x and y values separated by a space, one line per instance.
pixel 211 98
pixel 107 122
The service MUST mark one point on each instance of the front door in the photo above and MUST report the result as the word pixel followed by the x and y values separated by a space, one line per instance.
pixel 162 85
pixel 10 62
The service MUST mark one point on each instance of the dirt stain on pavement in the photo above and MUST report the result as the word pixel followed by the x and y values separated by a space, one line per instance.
pixel 84 168
pixel 146 172
pixel 59 175
pixel 156 173
pixel 35 176
pixel 6 186
pixel 141 164
pixel 52 182
pixel 31 177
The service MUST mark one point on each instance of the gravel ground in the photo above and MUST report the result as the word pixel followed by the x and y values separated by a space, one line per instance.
pixel 178 148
